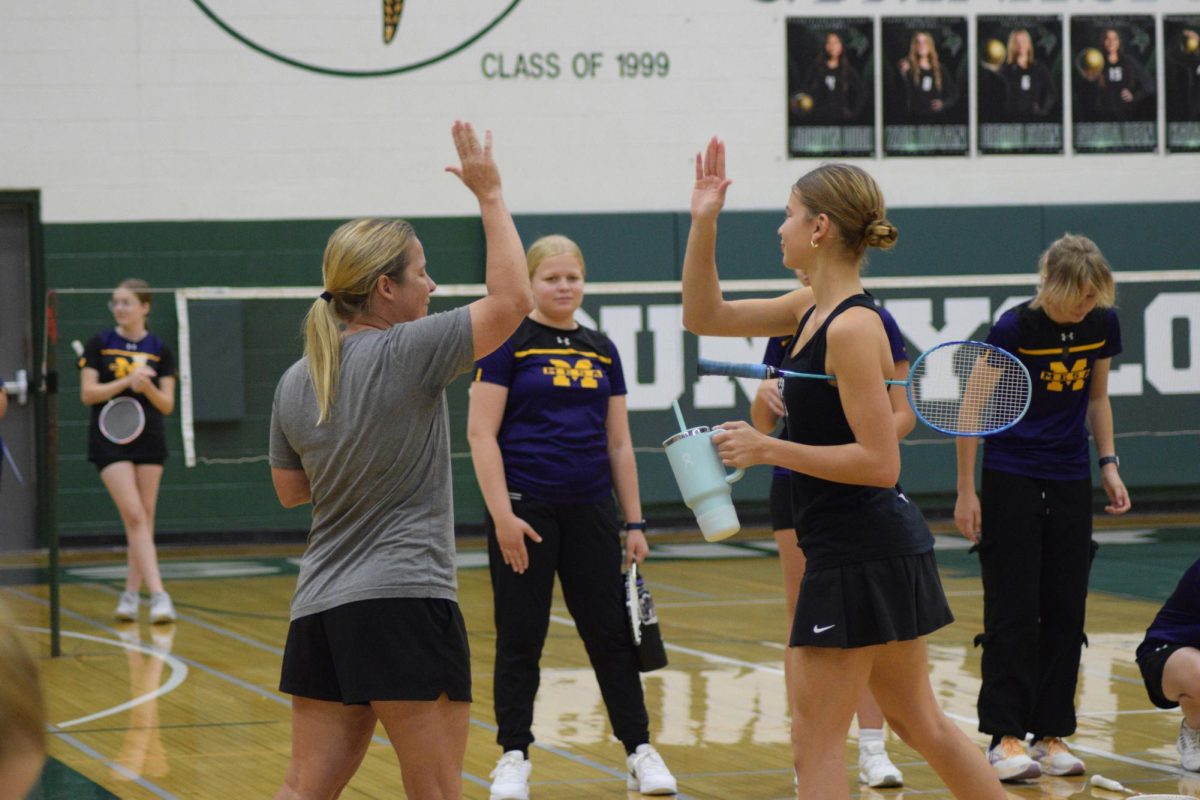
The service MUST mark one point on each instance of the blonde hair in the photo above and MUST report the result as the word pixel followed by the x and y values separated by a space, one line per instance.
pixel 139 288
pixel 914 60
pixel 852 200
pixel 22 708
pixel 1012 38
pixel 358 253
pixel 550 246
pixel 1068 268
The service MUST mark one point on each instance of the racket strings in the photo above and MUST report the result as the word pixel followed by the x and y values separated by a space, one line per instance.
pixel 968 388
pixel 121 420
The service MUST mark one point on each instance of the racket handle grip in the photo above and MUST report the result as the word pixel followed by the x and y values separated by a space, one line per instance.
pixel 707 366
pixel 1102 782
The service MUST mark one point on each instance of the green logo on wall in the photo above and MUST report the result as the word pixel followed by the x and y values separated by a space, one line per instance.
pixel 344 39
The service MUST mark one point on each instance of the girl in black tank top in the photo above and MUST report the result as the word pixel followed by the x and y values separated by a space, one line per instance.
pixel 840 523
pixel 871 590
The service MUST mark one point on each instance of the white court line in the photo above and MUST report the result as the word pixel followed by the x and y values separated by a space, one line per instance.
pixel 179 672
pixel 119 768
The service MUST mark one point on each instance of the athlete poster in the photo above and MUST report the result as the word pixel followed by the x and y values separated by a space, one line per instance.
pixel 1019 84
pixel 925 89
pixel 1113 84
pixel 831 86
pixel 1181 48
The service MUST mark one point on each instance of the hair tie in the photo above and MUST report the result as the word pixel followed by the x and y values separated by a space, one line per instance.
pixel 326 296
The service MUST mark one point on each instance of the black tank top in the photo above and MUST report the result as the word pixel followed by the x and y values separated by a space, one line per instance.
pixel 841 523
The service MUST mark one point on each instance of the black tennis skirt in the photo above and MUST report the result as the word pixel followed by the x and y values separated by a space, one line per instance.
pixel 149 448
pixel 875 602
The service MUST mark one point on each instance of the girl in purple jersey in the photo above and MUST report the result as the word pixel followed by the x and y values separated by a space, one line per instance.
pixel 870 592
pixel 550 441
pixel 1033 527
pixel 130 361
pixel 874 767
pixel 1169 658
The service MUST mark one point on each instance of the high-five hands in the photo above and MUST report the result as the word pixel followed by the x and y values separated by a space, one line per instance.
pixel 708 197
pixel 478 170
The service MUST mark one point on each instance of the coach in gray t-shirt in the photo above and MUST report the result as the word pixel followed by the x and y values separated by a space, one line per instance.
pixel 359 429
pixel 379 468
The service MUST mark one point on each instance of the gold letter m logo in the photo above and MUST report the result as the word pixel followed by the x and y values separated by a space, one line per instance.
pixel 1059 376
pixel 564 372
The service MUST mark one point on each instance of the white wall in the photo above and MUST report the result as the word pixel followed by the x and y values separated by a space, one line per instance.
pixel 146 109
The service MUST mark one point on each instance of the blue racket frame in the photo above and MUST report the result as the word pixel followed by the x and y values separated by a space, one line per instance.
pixel 706 366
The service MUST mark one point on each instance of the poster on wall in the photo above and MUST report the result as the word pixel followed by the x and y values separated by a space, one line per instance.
pixel 1112 84
pixel 831 86
pixel 1019 84
pixel 1181 48
pixel 925 89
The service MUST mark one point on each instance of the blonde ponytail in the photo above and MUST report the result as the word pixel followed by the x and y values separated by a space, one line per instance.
pixel 357 255
pixel 322 349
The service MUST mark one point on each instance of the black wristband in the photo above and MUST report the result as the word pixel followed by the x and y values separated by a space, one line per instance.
pixel 640 525
pixel 1104 460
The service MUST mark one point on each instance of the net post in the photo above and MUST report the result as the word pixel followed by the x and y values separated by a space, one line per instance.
pixel 186 414
pixel 47 401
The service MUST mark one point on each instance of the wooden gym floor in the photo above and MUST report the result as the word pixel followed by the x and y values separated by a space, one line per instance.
pixel 191 710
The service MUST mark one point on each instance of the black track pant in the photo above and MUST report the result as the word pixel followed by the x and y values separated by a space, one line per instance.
pixel 1035 553
pixel 582 544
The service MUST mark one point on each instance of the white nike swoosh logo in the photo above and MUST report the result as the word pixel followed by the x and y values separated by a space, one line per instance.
pixel 819 629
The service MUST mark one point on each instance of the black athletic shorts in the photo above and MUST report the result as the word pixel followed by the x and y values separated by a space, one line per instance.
pixel 782 518
pixel 387 649
pixel 1152 658
pixel 873 602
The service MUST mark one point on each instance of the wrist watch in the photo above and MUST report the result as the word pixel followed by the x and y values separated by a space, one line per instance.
pixel 1108 460
pixel 640 525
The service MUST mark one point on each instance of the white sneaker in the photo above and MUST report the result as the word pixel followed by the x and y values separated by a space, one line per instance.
pixel 875 769
pixel 127 607
pixel 647 773
pixel 161 608
pixel 510 778
pixel 1189 746
pixel 1055 758
pixel 1011 762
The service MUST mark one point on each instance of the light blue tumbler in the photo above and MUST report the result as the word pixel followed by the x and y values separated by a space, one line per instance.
pixel 703 482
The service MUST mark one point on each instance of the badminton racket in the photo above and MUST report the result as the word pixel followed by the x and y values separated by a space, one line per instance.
pixel 122 420
pixel 960 388
pixel 633 603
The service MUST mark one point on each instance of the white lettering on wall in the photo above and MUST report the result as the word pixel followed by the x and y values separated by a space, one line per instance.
pixel 665 323
pixel 963 318
pixel 1161 371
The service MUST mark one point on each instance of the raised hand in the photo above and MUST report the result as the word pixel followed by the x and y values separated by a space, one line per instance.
pixel 477 170
pixel 708 197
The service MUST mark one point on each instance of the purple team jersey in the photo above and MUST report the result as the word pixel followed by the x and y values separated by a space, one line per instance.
pixel 1051 440
pixel 554 433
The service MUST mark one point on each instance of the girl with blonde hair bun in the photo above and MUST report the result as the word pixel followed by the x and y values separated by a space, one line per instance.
pixel 871 592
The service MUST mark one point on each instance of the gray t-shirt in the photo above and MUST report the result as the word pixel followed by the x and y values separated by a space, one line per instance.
pixel 379 468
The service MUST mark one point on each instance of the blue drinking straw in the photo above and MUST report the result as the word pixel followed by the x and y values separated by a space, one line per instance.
pixel 679 415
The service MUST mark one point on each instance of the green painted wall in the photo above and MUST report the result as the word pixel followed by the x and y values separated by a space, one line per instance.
pixel 618 247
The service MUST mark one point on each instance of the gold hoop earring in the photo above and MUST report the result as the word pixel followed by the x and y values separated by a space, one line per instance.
pixel 813 242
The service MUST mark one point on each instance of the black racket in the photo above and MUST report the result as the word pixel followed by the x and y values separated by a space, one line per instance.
pixel 960 388
pixel 122 420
